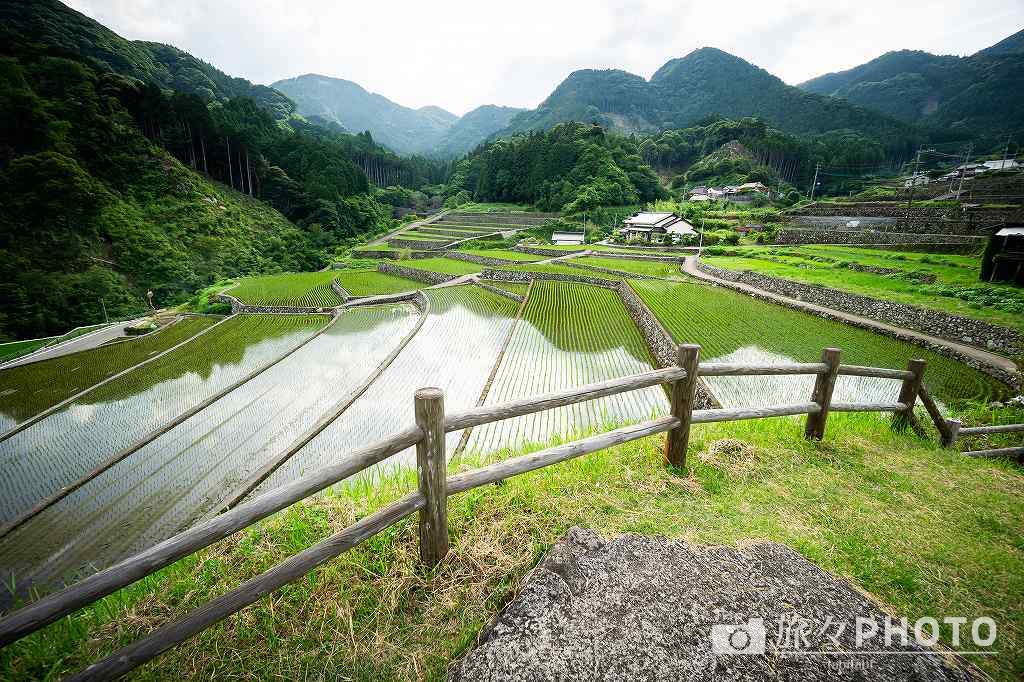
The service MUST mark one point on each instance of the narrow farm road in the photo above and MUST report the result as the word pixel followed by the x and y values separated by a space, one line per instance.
pixel 979 354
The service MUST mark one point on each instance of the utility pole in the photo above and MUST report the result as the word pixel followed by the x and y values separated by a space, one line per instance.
pixel 104 306
pixel 913 178
pixel 967 156
pixel 814 184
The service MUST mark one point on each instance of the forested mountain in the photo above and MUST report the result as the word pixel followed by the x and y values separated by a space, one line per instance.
pixel 55 24
pixel 474 127
pixel 427 130
pixel 706 82
pixel 981 95
pixel 572 167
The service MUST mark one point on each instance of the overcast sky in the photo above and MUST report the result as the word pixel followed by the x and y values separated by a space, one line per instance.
pixel 465 53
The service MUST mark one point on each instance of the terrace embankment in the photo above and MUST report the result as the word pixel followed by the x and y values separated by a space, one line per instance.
pixel 951 335
pixel 414 273
pixel 659 341
pixel 954 243
pixel 525 277
pixel 241 307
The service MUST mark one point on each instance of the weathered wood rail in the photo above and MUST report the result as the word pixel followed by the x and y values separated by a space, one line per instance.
pixel 430 499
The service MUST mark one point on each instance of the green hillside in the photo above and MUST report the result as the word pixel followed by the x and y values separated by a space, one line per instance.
pixel 979 95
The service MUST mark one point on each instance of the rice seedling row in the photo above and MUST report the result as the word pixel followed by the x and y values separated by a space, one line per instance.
pixel 723 322
pixel 302 289
pixel 570 335
pixel 505 254
pixel 455 350
pixel 650 268
pixel 556 269
pixel 29 389
pixel 171 482
pixel 72 441
pixel 444 266
pixel 373 283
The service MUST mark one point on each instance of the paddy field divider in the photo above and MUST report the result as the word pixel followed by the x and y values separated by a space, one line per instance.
pixel 427 434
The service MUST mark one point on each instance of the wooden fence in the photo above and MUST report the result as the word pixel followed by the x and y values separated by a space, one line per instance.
pixel 430 499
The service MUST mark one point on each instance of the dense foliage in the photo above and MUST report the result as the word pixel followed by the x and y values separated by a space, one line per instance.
pixel 573 167
pixel 93 214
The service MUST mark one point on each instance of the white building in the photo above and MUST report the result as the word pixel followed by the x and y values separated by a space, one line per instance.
pixel 655 228
pixel 568 238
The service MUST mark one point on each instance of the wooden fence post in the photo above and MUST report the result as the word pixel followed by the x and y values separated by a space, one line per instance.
pixel 908 395
pixel 822 394
pixel 432 472
pixel 681 407
pixel 953 431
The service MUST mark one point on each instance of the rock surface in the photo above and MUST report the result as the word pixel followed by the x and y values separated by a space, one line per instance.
pixel 641 608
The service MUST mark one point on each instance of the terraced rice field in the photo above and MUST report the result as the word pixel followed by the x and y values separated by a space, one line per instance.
pixel 67 444
pixel 570 335
pixel 556 269
pixel 373 283
pixel 170 482
pixel 455 350
pixel 445 266
pixel 519 288
pixel 505 254
pixel 29 389
pixel 729 326
pixel 651 268
pixel 299 289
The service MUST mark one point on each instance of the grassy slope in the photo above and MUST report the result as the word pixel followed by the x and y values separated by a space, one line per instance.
pixel 928 532
pixel 446 266
pixel 960 271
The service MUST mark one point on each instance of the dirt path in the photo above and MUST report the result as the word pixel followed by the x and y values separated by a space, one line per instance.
pixel 983 356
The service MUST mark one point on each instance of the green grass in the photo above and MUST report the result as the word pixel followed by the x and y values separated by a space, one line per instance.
pixel 302 289
pixel 445 266
pixel 373 283
pixel 32 388
pixel 722 321
pixel 651 268
pixel 927 532
pixel 413 234
pixel 15 349
pixel 956 288
pixel 506 254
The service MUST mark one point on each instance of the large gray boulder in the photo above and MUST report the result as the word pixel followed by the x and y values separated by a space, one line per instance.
pixel 641 608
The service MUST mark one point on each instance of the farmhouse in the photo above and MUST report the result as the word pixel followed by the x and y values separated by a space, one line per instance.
pixel 1004 256
pixel 917 180
pixel 655 227
pixel 568 238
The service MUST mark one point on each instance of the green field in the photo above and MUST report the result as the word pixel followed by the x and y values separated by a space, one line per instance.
pixel 505 254
pixel 15 349
pixel 722 321
pixel 445 266
pixel 373 283
pixel 32 388
pixel 651 268
pixel 955 289
pixel 425 236
pixel 300 289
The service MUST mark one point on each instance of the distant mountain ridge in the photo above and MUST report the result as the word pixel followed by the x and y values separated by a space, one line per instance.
pixel 428 130
pixel 982 94
pixel 686 90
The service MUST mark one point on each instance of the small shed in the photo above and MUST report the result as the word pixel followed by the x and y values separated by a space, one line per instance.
pixel 1004 256
pixel 568 238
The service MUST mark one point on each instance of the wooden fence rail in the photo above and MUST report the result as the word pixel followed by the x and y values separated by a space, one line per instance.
pixel 434 486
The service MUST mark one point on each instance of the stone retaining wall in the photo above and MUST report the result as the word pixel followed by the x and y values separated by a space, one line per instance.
pixel 342 294
pixel 240 307
pixel 541 251
pixel 399 243
pixel 660 342
pixel 858 237
pixel 936 323
pixel 415 273
pixel 631 256
pixel 502 292
pixel 481 260
pixel 525 277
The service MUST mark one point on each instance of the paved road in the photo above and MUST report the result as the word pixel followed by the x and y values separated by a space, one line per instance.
pixel 80 343
pixel 991 359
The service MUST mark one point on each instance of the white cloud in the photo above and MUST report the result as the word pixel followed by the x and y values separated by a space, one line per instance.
pixel 464 53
